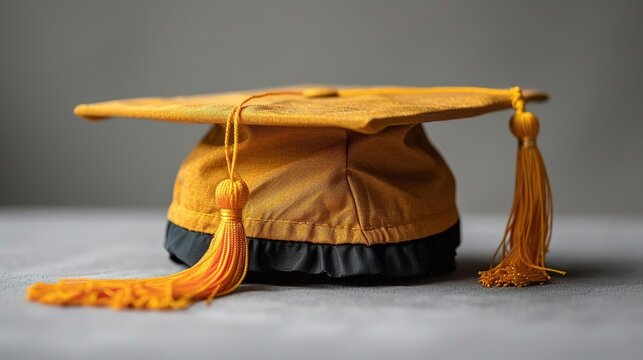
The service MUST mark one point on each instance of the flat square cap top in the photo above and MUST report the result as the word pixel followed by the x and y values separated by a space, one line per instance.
pixel 365 110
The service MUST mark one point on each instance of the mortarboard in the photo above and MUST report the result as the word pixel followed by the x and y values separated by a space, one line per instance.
pixel 338 181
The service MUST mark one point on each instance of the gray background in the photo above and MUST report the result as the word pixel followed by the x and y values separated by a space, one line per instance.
pixel 55 54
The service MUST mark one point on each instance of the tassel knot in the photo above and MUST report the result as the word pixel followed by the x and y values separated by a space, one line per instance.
pixel 231 194
pixel 525 126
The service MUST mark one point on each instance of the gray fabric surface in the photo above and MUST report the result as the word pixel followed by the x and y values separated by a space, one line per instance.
pixel 595 312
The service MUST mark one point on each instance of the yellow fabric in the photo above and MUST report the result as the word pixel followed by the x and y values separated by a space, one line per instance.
pixel 324 185
pixel 364 110
pixel 333 183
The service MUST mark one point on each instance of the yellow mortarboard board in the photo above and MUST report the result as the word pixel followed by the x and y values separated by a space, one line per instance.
pixel 334 180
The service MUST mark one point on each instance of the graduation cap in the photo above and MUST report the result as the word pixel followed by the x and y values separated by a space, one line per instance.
pixel 339 181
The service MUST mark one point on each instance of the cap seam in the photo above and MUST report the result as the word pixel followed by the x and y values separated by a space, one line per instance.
pixel 350 191
pixel 369 229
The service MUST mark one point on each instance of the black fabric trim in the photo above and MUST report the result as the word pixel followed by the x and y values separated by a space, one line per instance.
pixel 433 255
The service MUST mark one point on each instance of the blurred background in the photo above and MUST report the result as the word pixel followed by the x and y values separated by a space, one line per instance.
pixel 54 55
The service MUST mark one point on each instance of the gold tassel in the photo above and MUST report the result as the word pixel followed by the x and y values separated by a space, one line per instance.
pixel 528 232
pixel 220 271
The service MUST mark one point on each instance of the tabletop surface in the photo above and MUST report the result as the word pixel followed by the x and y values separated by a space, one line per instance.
pixel 595 312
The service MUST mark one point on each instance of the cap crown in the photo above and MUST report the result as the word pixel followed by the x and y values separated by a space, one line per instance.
pixel 323 185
